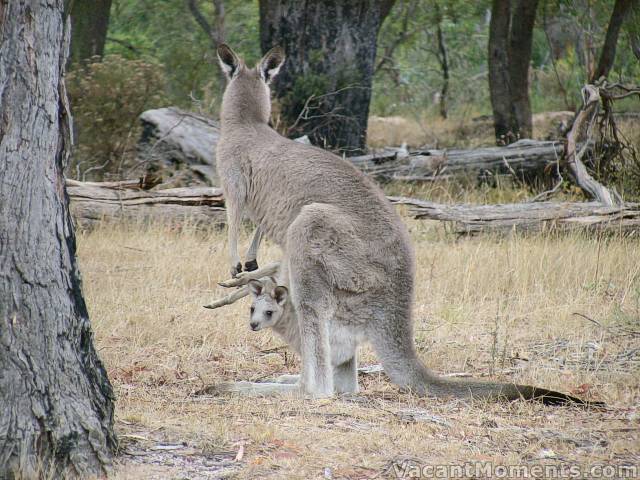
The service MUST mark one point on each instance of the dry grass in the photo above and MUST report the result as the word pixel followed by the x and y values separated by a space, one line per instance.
pixel 484 305
pixel 468 131
pixel 463 131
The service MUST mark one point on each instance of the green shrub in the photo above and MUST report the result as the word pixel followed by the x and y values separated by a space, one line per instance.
pixel 106 99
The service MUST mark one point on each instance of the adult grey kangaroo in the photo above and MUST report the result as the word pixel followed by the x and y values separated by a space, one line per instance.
pixel 348 255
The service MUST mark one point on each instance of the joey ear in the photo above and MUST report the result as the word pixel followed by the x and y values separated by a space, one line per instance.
pixel 281 294
pixel 270 64
pixel 255 286
pixel 229 61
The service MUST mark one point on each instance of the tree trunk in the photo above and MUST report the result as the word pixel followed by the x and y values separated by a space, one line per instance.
pixel 499 82
pixel 57 402
pixel 89 23
pixel 510 39
pixel 325 87
pixel 522 24
pixel 620 10
pixel 443 58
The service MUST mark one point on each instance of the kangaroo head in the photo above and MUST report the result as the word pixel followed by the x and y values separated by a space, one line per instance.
pixel 269 300
pixel 247 96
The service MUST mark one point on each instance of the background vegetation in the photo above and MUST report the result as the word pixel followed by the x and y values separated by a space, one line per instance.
pixel 430 75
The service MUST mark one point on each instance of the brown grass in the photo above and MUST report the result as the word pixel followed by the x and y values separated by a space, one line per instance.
pixel 464 131
pixel 483 305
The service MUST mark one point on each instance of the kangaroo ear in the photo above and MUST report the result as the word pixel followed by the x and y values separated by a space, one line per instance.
pixel 270 64
pixel 255 286
pixel 229 61
pixel 281 294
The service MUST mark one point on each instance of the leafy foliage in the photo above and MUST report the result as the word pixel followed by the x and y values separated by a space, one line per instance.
pixel 166 33
pixel 172 57
pixel 107 97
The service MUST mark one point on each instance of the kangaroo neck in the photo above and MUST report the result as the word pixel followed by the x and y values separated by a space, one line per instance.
pixel 234 121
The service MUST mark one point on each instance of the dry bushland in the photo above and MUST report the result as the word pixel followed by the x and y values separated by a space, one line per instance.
pixel 561 312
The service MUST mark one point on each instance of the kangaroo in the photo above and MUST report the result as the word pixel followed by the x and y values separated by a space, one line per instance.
pixel 271 309
pixel 348 258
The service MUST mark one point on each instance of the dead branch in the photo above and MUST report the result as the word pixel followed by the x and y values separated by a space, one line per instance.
pixel 581 133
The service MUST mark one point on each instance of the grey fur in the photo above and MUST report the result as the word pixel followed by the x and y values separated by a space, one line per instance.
pixel 349 256
pixel 271 309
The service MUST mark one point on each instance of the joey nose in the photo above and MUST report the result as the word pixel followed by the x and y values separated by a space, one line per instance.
pixel 254 325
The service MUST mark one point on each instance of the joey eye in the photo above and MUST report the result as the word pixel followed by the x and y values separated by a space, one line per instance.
pixel 253 309
pixel 268 313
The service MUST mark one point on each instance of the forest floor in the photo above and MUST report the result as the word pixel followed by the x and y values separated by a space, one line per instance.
pixel 562 311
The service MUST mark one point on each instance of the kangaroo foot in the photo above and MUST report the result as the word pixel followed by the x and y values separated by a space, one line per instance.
pixel 251 265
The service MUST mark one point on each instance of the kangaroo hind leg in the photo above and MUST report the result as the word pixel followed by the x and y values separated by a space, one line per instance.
pixel 391 335
pixel 313 298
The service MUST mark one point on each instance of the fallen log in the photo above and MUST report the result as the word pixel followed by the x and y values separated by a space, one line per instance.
pixel 93 202
pixel 529 217
pixel 523 159
pixel 177 140
pixel 180 143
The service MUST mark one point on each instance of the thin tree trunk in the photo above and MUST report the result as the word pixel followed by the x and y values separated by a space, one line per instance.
pixel 620 10
pixel 89 24
pixel 499 82
pixel 57 402
pixel 520 42
pixel 216 32
pixel 324 88
pixel 443 57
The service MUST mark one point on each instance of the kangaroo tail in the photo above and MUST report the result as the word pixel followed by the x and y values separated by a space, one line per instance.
pixel 416 377
pixel 399 360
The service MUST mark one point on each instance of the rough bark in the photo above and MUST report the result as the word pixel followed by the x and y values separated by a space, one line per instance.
pixel 324 89
pixel 57 402
pixel 530 217
pixel 499 82
pixel 520 43
pixel 96 202
pixel 179 143
pixel 510 40
pixel 89 24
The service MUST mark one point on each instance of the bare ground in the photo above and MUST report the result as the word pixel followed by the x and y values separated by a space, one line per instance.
pixel 563 312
